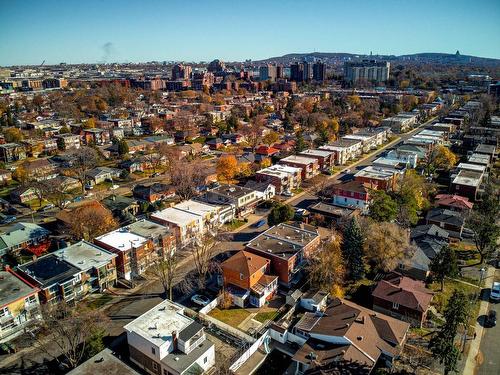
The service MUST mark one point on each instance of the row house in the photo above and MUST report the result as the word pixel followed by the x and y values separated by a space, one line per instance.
pixel 24 237
pixel 344 150
pixel 402 122
pixel 40 169
pixel 286 246
pixel 97 266
pixel 134 252
pixel 186 226
pixel 467 183
pixel 96 136
pixel 19 304
pixel 57 279
pixel 246 277
pixel 243 200
pixel 326 159
pixel 309 166
pixel 68 141
pixel 351 194
pixel 164 341
pixel 153 192
pixel 378 177
pixel 283 177
pixel 162 238
pixel 11 152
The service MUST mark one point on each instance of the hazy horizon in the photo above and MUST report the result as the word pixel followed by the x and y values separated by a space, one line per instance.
pixel 99 31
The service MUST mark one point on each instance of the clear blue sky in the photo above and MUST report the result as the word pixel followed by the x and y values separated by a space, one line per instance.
pixel 200 30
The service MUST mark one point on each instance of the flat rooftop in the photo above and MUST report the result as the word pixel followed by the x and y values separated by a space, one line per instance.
pixel 378 173
pixel 468 178
pixel 104 362
pixel 122 239
pixel 471 167
pixel 49 270
pixel 280 170
pixel 299 159
pixel 13 288
pixel 234 191
pixel 157 324
pixel 197 208
pixel 482 159
pixel 84 255
pixel 320 153
pixel 174 216
pixel 147 228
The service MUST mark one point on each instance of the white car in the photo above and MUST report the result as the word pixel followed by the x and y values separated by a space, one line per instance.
pixel 495 291
pixel 114 187
pixel 287 194
pixel 200 300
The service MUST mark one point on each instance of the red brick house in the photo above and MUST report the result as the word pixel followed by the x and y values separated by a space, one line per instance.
pixel 286 246
pixel 245 277
pixel 403 298
pixel 350 194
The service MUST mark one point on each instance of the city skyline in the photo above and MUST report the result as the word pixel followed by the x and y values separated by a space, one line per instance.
pixel 129 31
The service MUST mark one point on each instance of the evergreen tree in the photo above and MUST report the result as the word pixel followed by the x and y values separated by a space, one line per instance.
pixel 279 214
pixel 442 343
pixel 382 207
pixel 300 143
pixel 352 250
pixel 122 147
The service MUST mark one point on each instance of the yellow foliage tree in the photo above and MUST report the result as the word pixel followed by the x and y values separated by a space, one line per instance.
pixel 227 167
pixel 89 124
pixel 270 138
pixel 354 100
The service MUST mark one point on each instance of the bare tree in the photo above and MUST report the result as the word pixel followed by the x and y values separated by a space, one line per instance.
pixel 83 160
pixel 65 332
pixel 186 177
pixel 203 249
pixel 166 269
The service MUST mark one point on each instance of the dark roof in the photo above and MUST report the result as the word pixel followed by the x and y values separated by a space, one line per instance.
pixel 151 189
pixel 444 215
pixel 191 330
pixel 432 230
pixel 49 270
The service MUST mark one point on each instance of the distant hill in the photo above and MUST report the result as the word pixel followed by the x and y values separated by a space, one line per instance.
pixel 455 58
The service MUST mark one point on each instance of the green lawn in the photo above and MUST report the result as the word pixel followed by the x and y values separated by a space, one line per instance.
pixel 264 316
pixel 235 224
pixel 233 316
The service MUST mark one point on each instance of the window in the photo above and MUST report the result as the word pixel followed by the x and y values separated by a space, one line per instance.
pixel 153 351
pixel 155 366
pixel 395 305
pixel 205 360
pixel 4 311
pixel 30 299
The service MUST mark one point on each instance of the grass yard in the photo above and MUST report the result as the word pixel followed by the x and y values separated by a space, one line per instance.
pixel 100 301
pixel 233 316
pixel 235 224
pixel 264 316
pixel 466 253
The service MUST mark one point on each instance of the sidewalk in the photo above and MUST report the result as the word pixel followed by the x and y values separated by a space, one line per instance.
pixel 474 345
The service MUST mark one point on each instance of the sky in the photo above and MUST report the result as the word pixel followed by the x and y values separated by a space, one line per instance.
pixel 90 31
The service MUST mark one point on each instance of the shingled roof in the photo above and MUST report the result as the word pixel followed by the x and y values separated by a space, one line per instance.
pixel 245 263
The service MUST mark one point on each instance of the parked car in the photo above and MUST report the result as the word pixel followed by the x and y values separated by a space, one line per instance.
pixel 88 186
pixel 259 223
pixel 200 300
pixel 287 194
pixel 491 319
pixel 495 291
pixel 78 199
pixel 346 170
pixel 9 219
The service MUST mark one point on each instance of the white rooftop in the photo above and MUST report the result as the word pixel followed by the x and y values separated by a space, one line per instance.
pixel 156 325
pixel 360 137
pixel 471 167
pixel 375 173
pixel 468 178
pixel 85 255
pixel 197 208
pixel 321 153
pixel 121 239
pixel 280 170
pixel 299 159
pixel 178 217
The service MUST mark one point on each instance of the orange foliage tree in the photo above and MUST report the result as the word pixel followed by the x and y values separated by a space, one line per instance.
pixel 90 220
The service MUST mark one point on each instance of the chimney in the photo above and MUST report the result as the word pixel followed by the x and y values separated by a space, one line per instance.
pixel 174 341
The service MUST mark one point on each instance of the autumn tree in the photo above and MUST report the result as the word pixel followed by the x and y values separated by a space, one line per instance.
pixel 82 161
pixel 442 344
pixel 122 146
pixel 444 264
pixel 90 220
pixel 270 138
pixel 186 177
pixel 89 123
pixel 70 330
pixel 386 246
pixel 280 213
pixel 253 131
pixel 326 268
pixel 227 167
pixel 441 157
pixel 38 102
pixel 352 250
pixel 412 197
pixel 13 135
